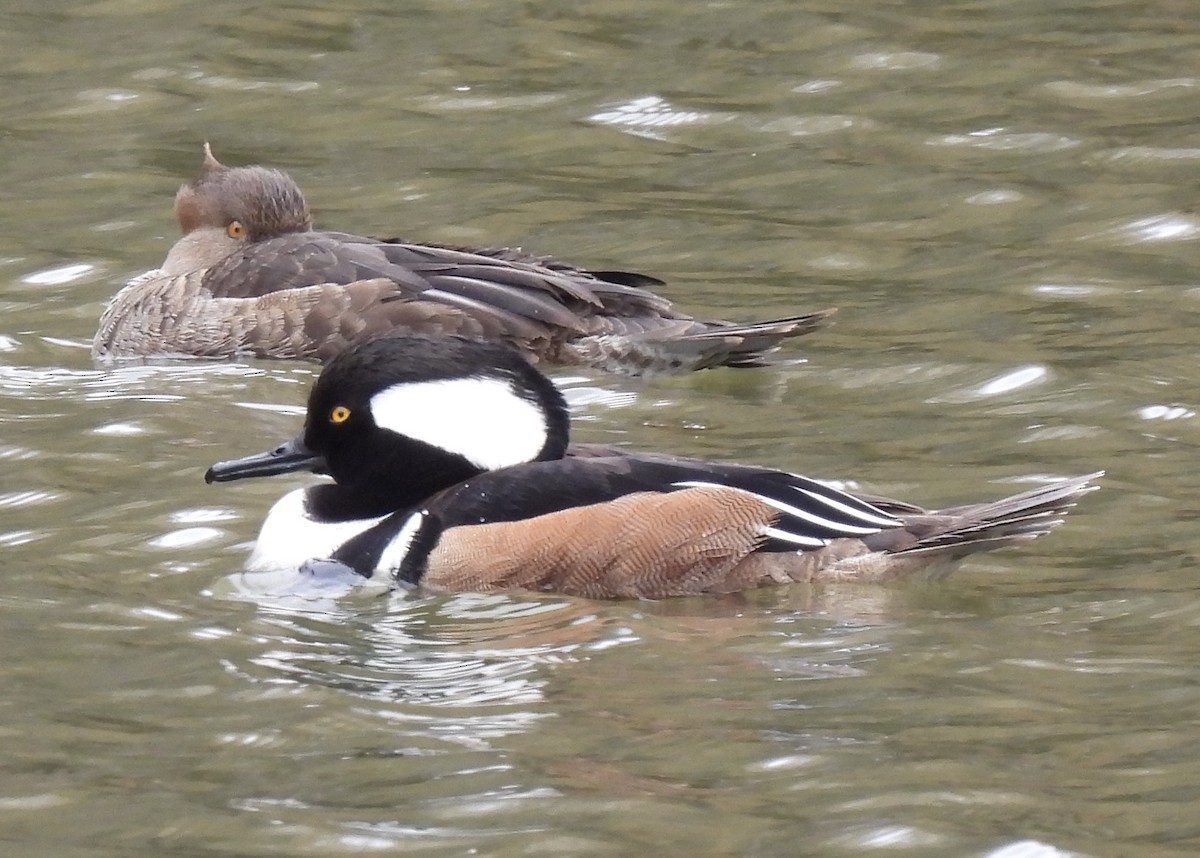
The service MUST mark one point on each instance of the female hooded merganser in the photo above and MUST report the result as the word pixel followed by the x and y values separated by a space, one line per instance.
pixel 250 276
pixel 452 470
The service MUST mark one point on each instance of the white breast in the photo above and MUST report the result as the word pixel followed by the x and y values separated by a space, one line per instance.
pixel 290 535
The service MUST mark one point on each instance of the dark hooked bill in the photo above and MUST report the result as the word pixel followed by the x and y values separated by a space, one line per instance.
pixel 287 457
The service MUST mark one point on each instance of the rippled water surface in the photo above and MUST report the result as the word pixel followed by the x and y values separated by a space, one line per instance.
pixel 999 197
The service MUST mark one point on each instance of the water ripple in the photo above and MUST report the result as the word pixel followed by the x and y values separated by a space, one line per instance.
pixel 1024 376
pixel 202 515
pixel 227 82
pixel 1030 849
pixel 120 429
pixel 804 126
pixel 1165 227
pixel 92 101
pixel 649 115
pixel 1151 229
pixel 186 537
pixel 896 60
pixel 27 498
pixel 1152 154
pixel 998 196
pixel 1003 140
pixel 472 656
pixel 122 382
pixel 60 274
pixel 1165 412
pixel 19 537
pixel 488 102
pixel 1133 89
pixel 816 86
pixel 1000 385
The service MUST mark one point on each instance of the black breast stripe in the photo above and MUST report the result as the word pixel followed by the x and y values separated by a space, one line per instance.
pixel 363 551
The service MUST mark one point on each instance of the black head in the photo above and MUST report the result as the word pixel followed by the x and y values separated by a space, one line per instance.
pixel 403 416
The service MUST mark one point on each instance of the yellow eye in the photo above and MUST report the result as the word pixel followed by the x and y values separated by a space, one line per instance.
pixel 235 229
pixel 340 414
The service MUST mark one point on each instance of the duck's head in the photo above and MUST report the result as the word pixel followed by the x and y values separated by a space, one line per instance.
pixel 399 417
pixel 245 203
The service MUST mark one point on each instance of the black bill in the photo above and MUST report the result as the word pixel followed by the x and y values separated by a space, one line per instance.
pixel 287 457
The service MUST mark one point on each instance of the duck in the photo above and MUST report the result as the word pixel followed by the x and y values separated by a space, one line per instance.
pixel 250 276
pixel 453 470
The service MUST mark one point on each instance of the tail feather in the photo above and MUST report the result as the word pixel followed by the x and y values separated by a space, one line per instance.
pixel 684 345
pixel 748 344
pixel 1017 518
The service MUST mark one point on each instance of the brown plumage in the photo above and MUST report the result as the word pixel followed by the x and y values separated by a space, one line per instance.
pixel 707 540
pixel 250 276
pixel 452 470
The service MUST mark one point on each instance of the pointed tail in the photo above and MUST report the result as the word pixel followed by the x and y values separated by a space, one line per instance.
pixel 1017 518
pixel 684 345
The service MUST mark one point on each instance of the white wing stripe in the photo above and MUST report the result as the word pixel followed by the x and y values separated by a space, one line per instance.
pixel 794 539
pixel 882 519
pixel 796 512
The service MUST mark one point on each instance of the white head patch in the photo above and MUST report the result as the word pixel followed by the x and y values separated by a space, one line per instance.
pixel 481 419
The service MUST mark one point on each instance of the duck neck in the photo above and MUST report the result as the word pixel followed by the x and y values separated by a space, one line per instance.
pixel 369 485
pixel 200 248
pixel 331 502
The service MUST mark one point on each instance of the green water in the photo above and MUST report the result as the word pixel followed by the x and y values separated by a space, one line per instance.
pixel 999 197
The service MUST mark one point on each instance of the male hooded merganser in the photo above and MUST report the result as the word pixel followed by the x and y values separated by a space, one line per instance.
pixel 250 276
pixel 452 470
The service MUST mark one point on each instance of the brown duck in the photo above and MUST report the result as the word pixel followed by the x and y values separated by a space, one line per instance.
pixel 250 276
pixel 452 471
